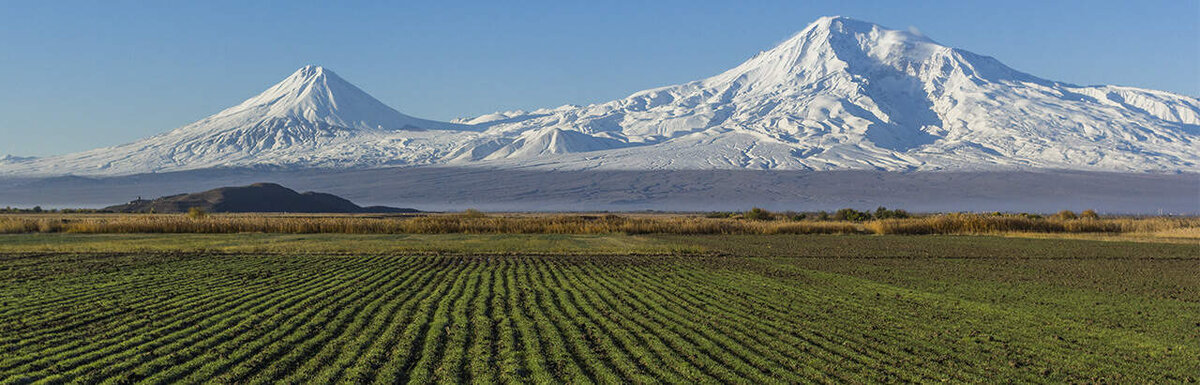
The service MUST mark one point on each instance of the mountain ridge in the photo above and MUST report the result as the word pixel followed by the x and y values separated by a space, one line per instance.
pixel 839 94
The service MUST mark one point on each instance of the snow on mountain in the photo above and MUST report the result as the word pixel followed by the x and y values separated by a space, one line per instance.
pixel 314 94
pixel 840 94
pixel 313 118
pixel 15 159
pixel 844 93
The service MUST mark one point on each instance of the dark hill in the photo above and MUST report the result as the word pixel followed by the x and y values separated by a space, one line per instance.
pixel 258 197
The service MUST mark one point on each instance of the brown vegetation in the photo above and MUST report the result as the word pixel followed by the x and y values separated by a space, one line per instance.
pixel 478 223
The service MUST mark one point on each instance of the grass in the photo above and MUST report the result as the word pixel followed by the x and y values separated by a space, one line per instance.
pixel 340 243
pixel 332 308
pixel 856 248
pixel 1187 235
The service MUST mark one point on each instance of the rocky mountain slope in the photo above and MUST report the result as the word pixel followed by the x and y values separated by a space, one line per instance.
pixel 840 94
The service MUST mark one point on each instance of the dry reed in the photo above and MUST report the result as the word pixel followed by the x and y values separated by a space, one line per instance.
pixel 576 224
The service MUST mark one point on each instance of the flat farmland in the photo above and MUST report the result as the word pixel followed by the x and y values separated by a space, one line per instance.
pixel 673 309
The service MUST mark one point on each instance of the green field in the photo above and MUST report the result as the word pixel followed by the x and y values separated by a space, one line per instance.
pixel 261 308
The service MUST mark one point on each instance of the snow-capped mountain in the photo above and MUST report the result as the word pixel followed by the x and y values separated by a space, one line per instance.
pixel 844 93
pixel 840 94
pixel 313 118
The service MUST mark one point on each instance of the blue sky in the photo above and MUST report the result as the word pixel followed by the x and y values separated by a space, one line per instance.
pixel 79 75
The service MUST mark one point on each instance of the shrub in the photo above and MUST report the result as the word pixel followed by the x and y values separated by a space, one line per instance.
pixel 197 213
pixel 1089 214
pixel 822 216
pixel 1066 215
pixel 50 226
pixel 884 213
pixel 472 213
pixel 848 214
pixel 757 214
pixel 793 216
pixel 719 214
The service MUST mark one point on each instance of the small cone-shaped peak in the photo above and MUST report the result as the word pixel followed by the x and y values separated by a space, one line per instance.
pixel 312 98
pixel 316 94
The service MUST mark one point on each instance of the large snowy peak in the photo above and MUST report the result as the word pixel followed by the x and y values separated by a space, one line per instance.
pixel 844 93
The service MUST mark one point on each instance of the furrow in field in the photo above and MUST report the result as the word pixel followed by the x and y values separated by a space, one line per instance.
pixel 177 304
pixel 224 361
pixel 480 363
pixel 111 359
pixel 418 368
pixel 393 357
pixel 233 330
pixel 748 363
pixel 683 292
pixel 832 307
pixel 680 357
pixel 79 288
pixel 279 353
pixel 448 365
pixel 727 308
pixel 353 344
pixel 574 328
pixel 510 345
pixel 779 358
pixel 970 314
pixel 360 367
pixel 536 356
pixel 125 338
pixel 565 361
pixel 644 365
pixel 681 339
pixel 75 315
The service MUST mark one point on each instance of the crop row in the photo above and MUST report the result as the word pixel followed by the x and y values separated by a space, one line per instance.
pixel 513 319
